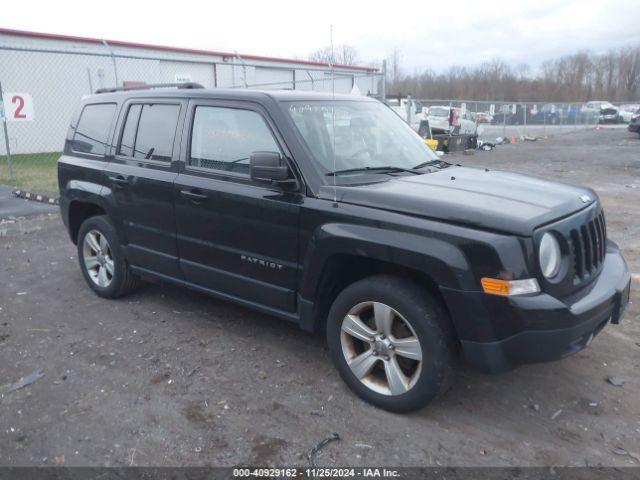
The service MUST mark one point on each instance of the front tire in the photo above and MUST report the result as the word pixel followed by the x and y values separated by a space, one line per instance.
pixel 391 342
pixel 102 260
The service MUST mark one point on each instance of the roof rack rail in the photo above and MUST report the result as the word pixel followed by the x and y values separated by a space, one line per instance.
pixel 149 86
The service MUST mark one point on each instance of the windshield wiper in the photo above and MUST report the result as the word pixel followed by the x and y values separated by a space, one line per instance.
pixel 439 163
pixel 384 169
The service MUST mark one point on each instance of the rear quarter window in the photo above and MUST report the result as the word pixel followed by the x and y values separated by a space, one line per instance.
pixel 92 131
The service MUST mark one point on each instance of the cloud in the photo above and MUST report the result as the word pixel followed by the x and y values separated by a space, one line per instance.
pixel 429 34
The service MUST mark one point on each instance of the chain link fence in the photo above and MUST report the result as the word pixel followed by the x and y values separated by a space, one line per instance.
pixel 527 119
pixel 43 82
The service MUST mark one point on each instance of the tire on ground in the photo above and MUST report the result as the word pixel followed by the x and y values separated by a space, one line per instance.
pixel 431 324
pixel 123 280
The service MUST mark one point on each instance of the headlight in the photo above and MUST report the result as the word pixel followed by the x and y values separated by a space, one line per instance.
pixel 549 255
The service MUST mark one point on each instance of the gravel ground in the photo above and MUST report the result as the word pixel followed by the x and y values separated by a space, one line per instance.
pixel 170 377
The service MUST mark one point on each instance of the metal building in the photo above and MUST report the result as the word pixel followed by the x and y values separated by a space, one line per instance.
pixel 51 72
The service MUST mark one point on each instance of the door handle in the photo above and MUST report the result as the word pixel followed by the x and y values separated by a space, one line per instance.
pixel 119 180
pixel 194 195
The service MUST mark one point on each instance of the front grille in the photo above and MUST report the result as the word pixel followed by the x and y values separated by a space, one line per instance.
pixel 589 245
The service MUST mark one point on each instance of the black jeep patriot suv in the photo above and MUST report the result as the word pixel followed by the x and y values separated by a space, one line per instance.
pixel 329 211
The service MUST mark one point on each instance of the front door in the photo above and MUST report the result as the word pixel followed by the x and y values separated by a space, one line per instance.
pixel 141 176
pixel 236 237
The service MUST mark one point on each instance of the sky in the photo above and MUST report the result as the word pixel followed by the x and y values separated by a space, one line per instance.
pixel 429 35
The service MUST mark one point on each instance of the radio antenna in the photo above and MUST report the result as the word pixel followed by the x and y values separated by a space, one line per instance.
pixel 333 120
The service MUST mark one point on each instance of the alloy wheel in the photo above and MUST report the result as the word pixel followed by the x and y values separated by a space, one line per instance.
pixel 98 259
pixel 381 348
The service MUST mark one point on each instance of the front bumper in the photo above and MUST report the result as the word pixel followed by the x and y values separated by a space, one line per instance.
pixel 633 127
pixel 509 331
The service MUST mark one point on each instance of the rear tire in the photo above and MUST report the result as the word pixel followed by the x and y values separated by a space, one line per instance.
pixel 102 260
pixel 401 367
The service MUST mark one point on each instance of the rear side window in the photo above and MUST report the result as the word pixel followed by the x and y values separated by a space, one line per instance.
pixel 149 131
pixel 92 131
pixel 225 138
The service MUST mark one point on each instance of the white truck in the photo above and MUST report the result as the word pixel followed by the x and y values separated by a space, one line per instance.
pixel 442 119
pixel 450 120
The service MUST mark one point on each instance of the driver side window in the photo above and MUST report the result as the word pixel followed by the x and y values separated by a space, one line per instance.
pixel 224 138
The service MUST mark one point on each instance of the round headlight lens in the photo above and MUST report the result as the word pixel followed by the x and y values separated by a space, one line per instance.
pixel 549 255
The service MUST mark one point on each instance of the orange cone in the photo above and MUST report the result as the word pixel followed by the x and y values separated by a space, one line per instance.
pixel 513 139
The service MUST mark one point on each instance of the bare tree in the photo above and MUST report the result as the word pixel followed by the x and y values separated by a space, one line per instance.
pixel 347 55
pixel 342 55
pixel 579 77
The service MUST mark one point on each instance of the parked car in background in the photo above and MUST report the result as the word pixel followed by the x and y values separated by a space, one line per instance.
pixel 549 114
pixel 445 119
pixel 601 111
pixel 609 114
pixel 634 122
pixel 573 114
pixel 593 107
pixel 506 115
pixel 627 111
pixel 482 117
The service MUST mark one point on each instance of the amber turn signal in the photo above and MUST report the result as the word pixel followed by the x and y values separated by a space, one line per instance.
pixel 495 286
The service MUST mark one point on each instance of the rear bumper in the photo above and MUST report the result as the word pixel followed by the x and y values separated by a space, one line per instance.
pixel 530 329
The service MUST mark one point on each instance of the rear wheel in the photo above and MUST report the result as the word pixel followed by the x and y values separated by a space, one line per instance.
pixel 391 342
pixel 101 259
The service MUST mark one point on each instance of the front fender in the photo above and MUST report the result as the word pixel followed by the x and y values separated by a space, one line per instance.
pixel 442 261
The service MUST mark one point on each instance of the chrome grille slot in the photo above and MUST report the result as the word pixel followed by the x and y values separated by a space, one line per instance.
pixel 586 241
pixel 589 245
pixel 578 254
pixel 603 235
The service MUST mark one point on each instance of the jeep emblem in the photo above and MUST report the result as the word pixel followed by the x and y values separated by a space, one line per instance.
pixel 585 198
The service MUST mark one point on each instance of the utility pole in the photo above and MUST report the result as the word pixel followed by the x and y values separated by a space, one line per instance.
pixel 383 87
pixel 6 134
pixel 113 59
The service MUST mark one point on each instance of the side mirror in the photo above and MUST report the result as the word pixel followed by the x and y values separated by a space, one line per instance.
pixel 268 167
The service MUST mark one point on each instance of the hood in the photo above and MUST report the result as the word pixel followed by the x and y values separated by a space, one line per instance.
pixel 491 200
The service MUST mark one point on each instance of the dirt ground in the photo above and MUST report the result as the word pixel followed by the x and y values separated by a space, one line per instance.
pixel 170 377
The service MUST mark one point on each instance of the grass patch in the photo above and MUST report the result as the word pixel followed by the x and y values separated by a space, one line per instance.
pixel 32 171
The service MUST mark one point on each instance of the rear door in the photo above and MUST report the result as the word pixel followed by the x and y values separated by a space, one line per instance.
pixel 236 237
pixel 141 176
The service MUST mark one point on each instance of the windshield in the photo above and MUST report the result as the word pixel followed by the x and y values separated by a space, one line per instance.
pixel 438 112
pixel 361 134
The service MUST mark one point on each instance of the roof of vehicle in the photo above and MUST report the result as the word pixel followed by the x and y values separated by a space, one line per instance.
pixel 232 93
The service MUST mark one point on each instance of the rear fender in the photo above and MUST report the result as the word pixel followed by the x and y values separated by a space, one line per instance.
pixel 82 192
